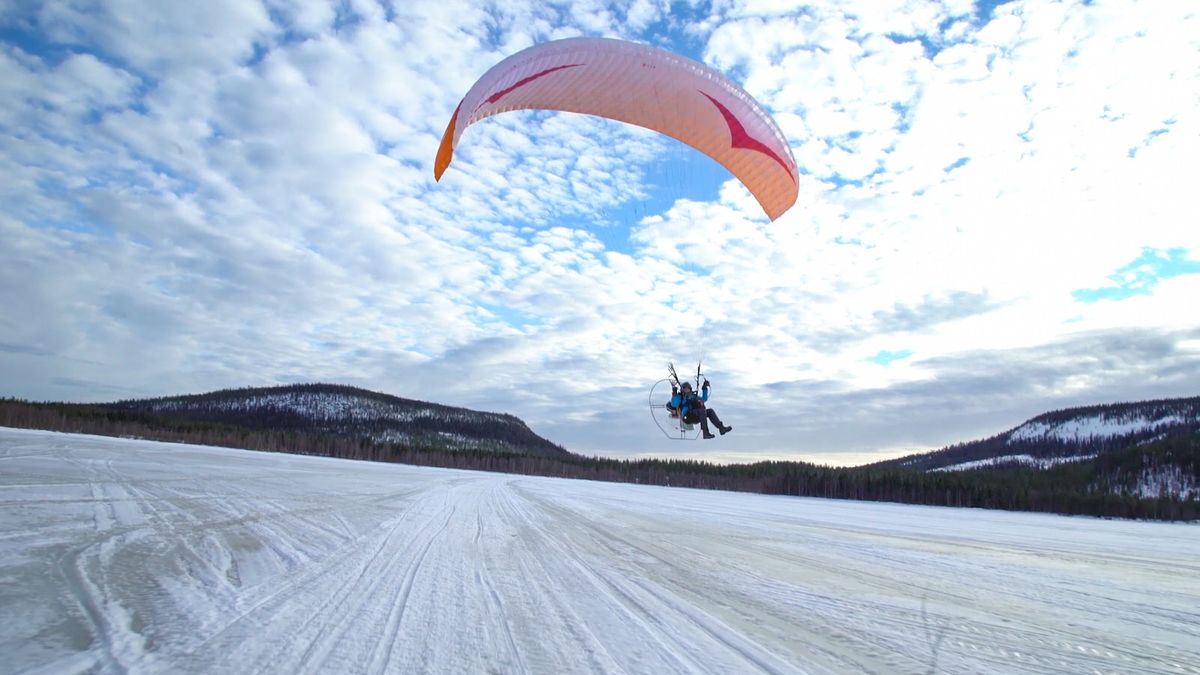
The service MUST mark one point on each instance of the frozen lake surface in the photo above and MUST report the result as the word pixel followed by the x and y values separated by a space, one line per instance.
pixel 120 555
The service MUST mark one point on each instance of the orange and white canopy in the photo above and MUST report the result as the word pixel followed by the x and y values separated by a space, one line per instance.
pixel 645 86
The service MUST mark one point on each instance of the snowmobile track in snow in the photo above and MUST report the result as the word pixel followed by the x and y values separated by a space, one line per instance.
pixel 131 556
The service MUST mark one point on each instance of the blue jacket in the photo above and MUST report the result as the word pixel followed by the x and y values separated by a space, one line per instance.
pixel 684 405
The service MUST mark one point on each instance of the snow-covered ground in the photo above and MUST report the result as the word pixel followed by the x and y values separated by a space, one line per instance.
pixel 120 555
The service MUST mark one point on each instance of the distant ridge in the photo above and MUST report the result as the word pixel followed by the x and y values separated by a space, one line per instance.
pixel 1146 449
pixel 1069 434
pixel 351 412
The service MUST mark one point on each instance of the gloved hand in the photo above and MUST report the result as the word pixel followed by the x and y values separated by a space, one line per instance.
pixel 705 385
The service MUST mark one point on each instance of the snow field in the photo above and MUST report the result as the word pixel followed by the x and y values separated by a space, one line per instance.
pixel 133 556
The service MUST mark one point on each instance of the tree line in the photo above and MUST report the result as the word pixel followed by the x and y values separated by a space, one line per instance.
pixel 1111 485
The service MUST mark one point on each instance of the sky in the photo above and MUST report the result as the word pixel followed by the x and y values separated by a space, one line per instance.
pixel 996 216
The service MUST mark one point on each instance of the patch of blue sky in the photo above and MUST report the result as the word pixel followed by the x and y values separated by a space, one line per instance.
pixel 54 185
pixel 288 31
pixel 694 269
pixel 680 172
pixel 904 114
pixel 345 17
pixel 70 216
pixel 33 41
pixel 257 54
pixel 840 181
pixel 672 33
pixel 1110 115
pixel 984 9
pixel 513 318
pixel 494 30
pixel 149 174
pixel 930 45
pixel 30 40
pixel 956 164
pixel 1026 134
pixel 1142 275
pixel 1150 137
pixel 850 241
pixel 77 225
pixel 845 142
pixel 886 358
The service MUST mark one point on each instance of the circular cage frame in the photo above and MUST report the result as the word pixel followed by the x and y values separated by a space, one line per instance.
pixel 672 425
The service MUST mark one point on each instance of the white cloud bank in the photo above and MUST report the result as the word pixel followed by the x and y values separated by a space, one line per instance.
pixel 243 195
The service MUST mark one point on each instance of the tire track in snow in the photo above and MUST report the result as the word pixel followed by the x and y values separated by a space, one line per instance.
pixel 86 569
pixel 535 564
pixel 333 581
pixel 499 617
pixel 654 608
pixel 381 654
pixel 494 608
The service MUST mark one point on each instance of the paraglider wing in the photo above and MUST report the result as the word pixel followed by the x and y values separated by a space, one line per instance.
pixel 645 86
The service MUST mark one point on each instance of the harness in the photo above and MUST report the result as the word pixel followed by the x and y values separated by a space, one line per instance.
pixel 690 404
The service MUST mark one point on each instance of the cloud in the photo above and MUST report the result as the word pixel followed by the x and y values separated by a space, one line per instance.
pixel 243 195
pixel 158 39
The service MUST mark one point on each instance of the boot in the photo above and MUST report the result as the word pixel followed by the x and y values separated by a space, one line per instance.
pixel 708 435
pixel 725 430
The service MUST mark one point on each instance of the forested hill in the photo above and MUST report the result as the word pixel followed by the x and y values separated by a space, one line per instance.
pixel 349 412
pixel 1131 451
pixel 1069 435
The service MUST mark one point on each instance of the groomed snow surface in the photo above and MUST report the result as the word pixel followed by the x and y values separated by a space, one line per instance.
pixel 120 555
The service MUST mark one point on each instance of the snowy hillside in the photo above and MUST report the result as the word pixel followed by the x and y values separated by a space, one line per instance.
pixel 1071 436
pixel 353 412
pixel 135 556
pixel 1119 423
